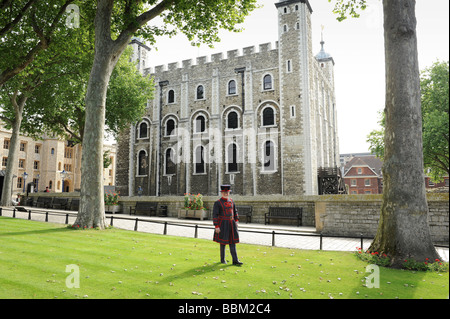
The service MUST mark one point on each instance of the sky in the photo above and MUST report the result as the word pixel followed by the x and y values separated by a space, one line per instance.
pixel 356 45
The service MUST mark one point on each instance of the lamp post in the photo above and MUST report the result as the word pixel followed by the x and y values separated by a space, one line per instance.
pixel 63 176
pixel 25 176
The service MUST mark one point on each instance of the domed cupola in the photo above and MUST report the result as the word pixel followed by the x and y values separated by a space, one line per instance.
pixel 323 56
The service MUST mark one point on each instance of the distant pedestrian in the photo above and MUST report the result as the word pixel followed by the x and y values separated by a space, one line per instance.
pixel 47 190
pixel 225 218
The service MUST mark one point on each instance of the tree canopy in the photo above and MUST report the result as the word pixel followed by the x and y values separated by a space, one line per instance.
pixel 434 85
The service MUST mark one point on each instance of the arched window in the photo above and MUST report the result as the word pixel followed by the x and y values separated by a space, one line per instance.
pixel 200 124
pixel 200 92
pixel 232 120
pixel 170 162
pixel 142 163
pixel 171 96
pixel 232 163
pixel 232 87
pixel 269 156
pixel 170 127
pixel 143 130
pixel 267 82
pixel 199 160
pixel 268 117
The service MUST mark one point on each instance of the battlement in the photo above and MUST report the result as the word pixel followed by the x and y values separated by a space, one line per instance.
pixel 264 48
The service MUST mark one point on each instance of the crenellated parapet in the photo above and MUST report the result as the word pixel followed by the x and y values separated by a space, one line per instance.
pixel 252 52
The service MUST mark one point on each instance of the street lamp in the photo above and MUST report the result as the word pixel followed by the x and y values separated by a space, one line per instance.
pixel 63 176
pixel 25 176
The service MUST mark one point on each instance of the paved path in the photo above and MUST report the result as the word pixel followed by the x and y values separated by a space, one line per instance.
pixel 285 236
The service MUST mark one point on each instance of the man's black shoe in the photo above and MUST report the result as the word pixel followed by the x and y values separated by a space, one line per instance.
pixel 237 263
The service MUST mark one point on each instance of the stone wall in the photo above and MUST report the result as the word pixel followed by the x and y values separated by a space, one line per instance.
pixel 353 215
pixel 337 215
pixel 260 205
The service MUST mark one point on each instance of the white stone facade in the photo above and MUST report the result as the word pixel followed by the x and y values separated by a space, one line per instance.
pixel 263 121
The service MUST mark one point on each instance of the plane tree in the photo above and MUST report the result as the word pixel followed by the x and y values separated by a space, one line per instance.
pixel 115 24
pixel 403 230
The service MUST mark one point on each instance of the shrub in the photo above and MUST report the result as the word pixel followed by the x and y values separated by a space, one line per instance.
pixel 409 264
pixel 111 199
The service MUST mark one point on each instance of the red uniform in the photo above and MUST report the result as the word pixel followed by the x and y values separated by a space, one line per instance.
pixel 225 216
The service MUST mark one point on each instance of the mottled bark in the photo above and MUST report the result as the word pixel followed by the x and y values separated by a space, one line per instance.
pixel 92 207
pixel 403 231
pixel 13 152
pixel 107 52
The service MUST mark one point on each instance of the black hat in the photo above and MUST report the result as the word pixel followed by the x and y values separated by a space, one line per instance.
pixel 225 188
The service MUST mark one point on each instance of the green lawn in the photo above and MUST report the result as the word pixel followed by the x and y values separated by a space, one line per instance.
pixel 125 264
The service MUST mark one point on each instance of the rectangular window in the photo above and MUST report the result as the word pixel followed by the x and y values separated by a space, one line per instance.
pixel 367 182
pixel 199 160
pixel 353 182
pixel 292 111
pixel 288 66
pixel 6 144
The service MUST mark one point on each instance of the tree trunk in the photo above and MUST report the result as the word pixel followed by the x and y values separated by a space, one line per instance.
pixel 13 152
pixel 403 231
pixel 92 207
pixel 11 167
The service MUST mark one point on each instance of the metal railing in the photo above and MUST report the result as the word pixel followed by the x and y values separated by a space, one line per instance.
pixel 196 227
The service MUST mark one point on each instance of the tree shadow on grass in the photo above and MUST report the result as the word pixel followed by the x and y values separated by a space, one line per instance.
pixel 36 232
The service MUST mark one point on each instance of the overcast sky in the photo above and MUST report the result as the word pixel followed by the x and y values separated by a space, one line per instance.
pixel 357 48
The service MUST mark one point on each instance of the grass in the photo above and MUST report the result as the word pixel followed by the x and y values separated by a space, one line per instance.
pixel 124 264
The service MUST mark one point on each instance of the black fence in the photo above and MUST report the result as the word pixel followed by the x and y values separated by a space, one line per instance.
pixel 29 213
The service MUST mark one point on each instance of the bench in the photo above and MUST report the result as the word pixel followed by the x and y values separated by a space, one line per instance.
pixel 60 203
pixel 162 211
pixel 245 211
pixel 284 213
pixel 150 207
pixel 44 202
pixel 29 201
pixel 74 204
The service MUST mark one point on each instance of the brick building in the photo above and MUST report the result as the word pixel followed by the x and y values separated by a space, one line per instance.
pixel 362 175
pixel 263 121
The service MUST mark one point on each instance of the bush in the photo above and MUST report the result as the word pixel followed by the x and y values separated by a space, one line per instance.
pixel 373 257
pixel 409 264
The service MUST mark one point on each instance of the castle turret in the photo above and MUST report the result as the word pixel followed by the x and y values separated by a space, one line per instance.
pixel 140 51
pixel 295 58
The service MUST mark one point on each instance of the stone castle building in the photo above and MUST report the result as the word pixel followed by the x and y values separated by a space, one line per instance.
pixel 263 121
